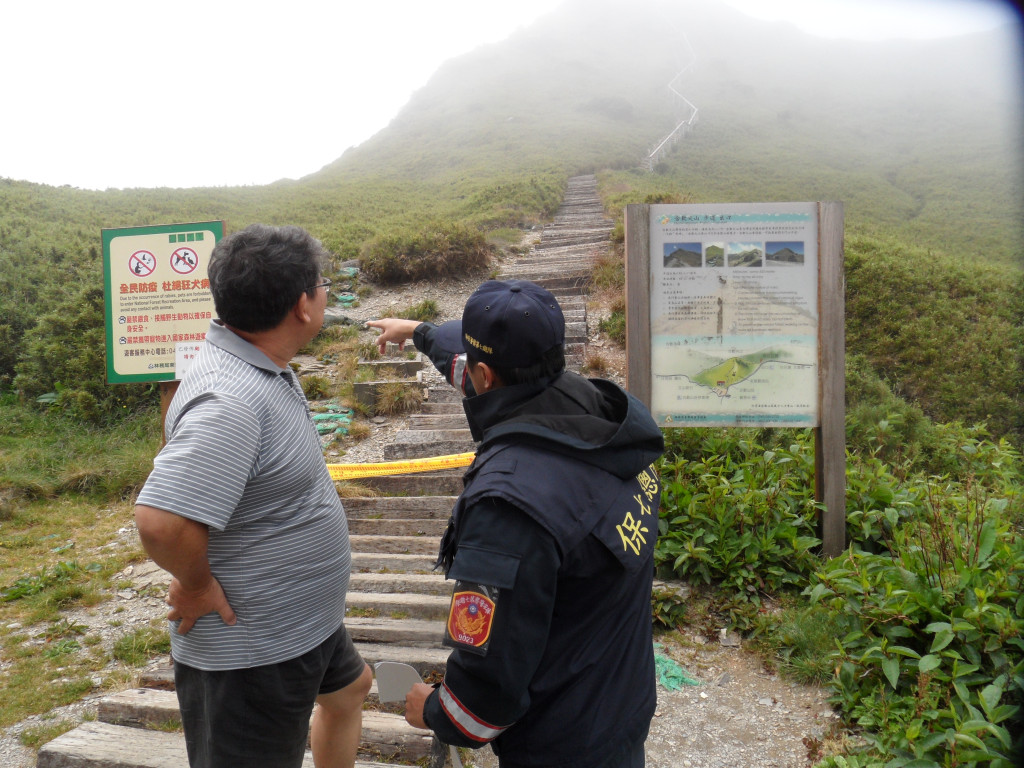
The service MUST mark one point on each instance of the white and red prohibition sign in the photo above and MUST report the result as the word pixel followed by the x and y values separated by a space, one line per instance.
pixel 184 261
pixel 142 263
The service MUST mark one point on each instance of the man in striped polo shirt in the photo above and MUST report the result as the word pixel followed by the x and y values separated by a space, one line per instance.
pixel 241 510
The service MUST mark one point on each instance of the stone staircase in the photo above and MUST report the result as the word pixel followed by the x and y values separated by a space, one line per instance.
pixel 396 602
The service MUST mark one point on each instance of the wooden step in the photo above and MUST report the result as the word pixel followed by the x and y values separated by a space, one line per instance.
pixel 445 394
pixel 444 482
pixel 408 605
pixel 401 527
pixel 453 408
pixel 103 745
pixel 425 633
pixel 392 508
pixel 426 448
pixel 395 545
pixel 430 662
pixel 385 562
pixel 400 583
pixel 438 420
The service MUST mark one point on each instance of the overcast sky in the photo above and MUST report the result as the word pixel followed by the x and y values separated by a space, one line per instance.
pixel 113 93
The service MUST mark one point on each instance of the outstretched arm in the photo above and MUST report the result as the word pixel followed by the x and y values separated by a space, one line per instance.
pixel 394 329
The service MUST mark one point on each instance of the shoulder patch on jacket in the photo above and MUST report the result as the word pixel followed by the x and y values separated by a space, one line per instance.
pixel 471 617
pixel 480 576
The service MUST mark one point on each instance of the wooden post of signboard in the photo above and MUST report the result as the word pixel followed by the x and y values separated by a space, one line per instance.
pixel 167 390
pixel 830 435
pixel 638 302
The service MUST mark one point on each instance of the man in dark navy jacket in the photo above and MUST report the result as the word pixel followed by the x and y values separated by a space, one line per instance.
pixel 550 545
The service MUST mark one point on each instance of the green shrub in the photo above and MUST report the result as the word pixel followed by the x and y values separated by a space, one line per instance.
pixel 316 387
pixel 33 584
pixel 424 311
pixel 442 249
pixel 395 397
pixel 931 648
pixel 614 327
pixel 743 519
pixel 65 353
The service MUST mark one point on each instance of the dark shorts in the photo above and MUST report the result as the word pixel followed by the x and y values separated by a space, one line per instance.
pixel 260 716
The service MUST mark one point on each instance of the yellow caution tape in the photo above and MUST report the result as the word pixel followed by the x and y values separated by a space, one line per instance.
pixel 353 471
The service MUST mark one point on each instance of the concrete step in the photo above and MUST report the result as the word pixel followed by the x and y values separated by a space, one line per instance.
pixel 453 420
pixel 406 527
pixel 415 447
pixel 394 507
pixel 403 605
pixel 442 482
pixel 400 583
pixel 158 709
pixel 394 368
pixel 388 562
pixel 452 408
pixel 395 545
pixel 106 745
pixel 429 661
pixel 425 633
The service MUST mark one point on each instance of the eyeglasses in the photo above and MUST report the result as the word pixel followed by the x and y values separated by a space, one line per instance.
pixel 325 284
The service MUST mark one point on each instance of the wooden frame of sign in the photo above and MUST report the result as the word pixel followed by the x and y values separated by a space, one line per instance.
pixel 700 243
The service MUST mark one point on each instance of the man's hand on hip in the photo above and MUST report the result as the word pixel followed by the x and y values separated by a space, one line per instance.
pixel 189 605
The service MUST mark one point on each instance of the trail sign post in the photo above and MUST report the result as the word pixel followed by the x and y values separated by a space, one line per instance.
pixel 157 297
pixel 735 319
pixel 158 301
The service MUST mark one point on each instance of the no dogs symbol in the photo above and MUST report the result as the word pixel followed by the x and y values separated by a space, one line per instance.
pixel 142 263
pixel 184 261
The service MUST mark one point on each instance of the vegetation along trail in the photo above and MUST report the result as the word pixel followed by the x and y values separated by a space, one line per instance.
pixel 909 646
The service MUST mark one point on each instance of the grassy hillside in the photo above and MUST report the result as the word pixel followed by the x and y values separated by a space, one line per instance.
pixel 920 141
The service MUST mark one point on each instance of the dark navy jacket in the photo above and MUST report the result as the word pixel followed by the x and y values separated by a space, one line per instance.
pixel 551 548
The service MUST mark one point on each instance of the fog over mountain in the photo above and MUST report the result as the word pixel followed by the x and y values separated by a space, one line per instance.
pixel 600 70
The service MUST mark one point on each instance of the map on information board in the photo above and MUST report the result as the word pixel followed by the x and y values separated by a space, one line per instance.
pixel 734 315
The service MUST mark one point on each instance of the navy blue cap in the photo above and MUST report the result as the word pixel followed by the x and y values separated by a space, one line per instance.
pixel 508 323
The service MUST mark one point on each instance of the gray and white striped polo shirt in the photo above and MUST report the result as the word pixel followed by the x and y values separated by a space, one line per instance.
pixel 243 457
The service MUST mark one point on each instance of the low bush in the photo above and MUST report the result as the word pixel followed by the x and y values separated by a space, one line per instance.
pixel 614 326
pixel 441 249
pixel 930 655
pixel 743 519
pixel 64 354
pixel 395 397
pixel 424 311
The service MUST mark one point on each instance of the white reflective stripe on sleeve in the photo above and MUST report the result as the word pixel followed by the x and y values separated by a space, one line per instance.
pixel 471 725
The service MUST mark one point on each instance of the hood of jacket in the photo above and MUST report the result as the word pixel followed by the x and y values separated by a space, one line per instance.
pixel 593 420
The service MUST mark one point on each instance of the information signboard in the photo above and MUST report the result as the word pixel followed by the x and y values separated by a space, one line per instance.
pixel 734 315
pixel 157 295
pixel 734 318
